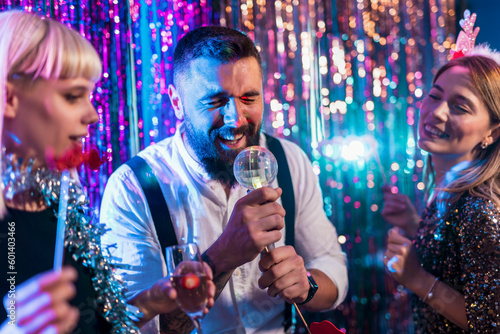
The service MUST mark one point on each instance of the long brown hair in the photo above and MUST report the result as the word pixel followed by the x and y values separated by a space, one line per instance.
pixel 482 177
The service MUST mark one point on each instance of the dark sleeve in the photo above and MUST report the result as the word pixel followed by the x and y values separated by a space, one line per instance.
pixel 480 249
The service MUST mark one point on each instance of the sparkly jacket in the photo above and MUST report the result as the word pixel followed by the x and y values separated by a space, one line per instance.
pixel 462 249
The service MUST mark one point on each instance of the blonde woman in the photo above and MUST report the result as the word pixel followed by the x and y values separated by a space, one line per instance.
pixel 47 74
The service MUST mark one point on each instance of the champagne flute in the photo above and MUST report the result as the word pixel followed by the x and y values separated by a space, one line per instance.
pixel 188 277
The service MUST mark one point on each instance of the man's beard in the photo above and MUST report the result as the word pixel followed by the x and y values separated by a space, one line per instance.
pixel 218 163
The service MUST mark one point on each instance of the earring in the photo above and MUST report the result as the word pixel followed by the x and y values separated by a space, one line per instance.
pixel 484 145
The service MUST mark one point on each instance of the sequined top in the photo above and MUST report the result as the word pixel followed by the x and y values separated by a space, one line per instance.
pixel 462 249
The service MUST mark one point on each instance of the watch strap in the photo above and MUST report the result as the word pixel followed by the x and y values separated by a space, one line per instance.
pixel 313 287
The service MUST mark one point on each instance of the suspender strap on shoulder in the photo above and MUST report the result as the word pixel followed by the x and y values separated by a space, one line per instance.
pixel 285 183
pixel 156 201
pixel 288 201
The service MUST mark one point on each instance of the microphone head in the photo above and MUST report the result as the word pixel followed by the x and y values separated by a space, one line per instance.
pixel 255 167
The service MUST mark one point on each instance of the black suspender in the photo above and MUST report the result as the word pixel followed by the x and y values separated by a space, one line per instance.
pixel 163 222
pixel 288 201
pixel 285 182
pixel 156 201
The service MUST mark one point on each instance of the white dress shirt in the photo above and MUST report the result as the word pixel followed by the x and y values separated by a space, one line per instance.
pixel 200 210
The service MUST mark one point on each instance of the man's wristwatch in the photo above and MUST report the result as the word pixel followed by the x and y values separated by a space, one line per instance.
pixel 313 287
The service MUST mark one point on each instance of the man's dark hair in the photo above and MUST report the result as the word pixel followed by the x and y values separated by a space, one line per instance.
pixel 220 43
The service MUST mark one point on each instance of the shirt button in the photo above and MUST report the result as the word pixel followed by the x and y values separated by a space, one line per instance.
pixel 237 272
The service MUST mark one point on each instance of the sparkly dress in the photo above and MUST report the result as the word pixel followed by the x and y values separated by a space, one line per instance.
pixel 462 249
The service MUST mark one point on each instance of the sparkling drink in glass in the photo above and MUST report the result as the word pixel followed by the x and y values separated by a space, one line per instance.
pixel 188 277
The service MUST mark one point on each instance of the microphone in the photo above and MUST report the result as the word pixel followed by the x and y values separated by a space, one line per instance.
pixel 256 167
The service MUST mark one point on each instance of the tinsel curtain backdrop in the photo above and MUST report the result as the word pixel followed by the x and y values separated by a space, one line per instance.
pixel 343 79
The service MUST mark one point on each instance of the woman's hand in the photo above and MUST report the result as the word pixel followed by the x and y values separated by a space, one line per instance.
pixel 399 211
pixel 401 259
pixel 403 264
pixel 41 304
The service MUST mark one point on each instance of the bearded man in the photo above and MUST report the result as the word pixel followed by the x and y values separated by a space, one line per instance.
pixel 218 94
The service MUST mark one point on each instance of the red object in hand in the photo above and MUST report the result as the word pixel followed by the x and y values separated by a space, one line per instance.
pixel 324 327
pixel 93 159
pixel 190 281
pixel 75 157
pixel 70 159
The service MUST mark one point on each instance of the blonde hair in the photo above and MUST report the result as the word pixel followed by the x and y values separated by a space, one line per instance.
pixel 33 47
pixel 482 176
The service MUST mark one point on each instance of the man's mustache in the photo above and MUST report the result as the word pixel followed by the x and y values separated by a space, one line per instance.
pixel 248 129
